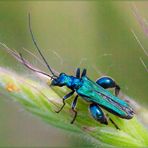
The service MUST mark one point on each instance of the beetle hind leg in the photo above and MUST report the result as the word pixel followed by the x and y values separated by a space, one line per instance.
pixel 107 82
pixel 117 89
pixel 116 126
pixel 97 113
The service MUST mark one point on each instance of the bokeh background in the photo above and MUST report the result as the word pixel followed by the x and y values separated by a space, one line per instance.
pixel 99 36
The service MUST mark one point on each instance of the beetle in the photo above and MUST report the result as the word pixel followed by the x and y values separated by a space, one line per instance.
pixel 95 93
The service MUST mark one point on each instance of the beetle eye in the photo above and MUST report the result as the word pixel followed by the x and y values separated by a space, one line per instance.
pixel 54 82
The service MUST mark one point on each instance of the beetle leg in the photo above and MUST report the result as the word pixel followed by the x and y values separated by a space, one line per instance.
pixel 83 73
pixel 78 73
pixel 97 113
pixel 73 109
pixel 116 126
pixel 107 82
pixel 64 98
pixel 117 90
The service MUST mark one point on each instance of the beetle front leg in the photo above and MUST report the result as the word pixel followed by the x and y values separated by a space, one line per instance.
pixel 107 82
pixel 78 72
pixel 73 109
pixel 64 98
pixel 84 72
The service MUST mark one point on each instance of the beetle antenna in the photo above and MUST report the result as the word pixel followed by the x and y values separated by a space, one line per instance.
pixel 31 68
pixel 37 47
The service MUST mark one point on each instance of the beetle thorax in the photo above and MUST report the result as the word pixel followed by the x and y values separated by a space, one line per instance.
pixel 66 80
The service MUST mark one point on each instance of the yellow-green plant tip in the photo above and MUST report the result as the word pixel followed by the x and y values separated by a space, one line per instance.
pixel 42 101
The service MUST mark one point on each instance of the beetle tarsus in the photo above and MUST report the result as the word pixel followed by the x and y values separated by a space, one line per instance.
pixel 117 90
pixel 73 109
pixel 61 107
pixel 64 98
pixel 75 115
pixel 116 126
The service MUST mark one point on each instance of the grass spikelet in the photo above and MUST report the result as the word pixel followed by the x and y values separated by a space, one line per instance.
pixel 42 101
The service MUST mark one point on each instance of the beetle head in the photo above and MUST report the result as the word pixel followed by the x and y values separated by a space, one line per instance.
pixel 59 81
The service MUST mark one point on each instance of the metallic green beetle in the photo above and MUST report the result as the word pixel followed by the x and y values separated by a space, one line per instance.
pixel 93 92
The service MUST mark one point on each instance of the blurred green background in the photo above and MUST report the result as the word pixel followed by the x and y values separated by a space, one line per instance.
pixel 92 35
